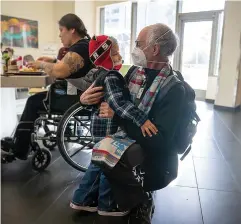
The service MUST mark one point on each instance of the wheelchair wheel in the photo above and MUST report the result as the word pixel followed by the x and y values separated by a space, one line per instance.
pixel 74 138
pixel 51 143
pixel 41 159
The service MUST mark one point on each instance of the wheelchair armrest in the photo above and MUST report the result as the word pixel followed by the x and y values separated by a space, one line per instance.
pixel 47 101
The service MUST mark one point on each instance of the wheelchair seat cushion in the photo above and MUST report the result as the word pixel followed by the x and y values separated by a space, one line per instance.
pixel 61 103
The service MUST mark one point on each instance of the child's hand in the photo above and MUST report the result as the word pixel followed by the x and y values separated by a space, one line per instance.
pixel 106 111
pixel 148 128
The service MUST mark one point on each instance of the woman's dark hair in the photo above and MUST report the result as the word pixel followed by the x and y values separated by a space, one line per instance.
pixel 71 21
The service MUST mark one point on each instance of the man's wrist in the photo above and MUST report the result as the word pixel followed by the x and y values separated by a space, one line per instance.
pixel 140 122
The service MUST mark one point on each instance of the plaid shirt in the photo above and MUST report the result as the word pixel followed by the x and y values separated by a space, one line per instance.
pixel 123 107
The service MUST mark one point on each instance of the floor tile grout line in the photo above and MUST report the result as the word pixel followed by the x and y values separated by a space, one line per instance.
pixel 43 213
pixel 65 184
pixel 209 189
pixel 203 157
pixel 198 190
pixel 29 181
pixel 226 162
pixel 32 178
pixel 219 149
pixel 235 136
pixel 184 186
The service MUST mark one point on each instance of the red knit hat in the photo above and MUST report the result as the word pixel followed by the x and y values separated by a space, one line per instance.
pixel 99 51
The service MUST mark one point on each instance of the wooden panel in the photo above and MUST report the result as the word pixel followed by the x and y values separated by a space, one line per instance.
pixel 25 81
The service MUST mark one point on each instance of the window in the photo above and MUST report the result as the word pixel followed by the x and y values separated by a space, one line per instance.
pixel 197 38
pixel 102 20
pixel 125 20
pixel 115 21
pixel 152 12
pixel 156 12
pixel 198 6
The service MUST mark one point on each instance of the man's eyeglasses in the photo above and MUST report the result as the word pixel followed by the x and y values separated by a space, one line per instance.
pixel 137 42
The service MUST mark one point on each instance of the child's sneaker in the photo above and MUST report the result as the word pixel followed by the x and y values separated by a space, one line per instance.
pixel 86 208
pixel 115 212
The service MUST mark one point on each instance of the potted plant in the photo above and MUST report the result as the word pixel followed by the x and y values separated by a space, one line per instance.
pixel 6 56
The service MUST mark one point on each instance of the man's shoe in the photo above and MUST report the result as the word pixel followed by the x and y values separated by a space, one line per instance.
pixel 143 213
pixel 86 208
pixel 7 157
pixel 7 144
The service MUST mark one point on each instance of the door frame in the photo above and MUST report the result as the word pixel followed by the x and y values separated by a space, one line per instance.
pixel 183 18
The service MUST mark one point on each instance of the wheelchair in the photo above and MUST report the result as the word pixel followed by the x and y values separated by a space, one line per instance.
pixel 74 137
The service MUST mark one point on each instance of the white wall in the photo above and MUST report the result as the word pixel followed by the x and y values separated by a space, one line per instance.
pixel 47 13
pixel 230 53
pixel 86 11
pixel 40 11
pixel 61 8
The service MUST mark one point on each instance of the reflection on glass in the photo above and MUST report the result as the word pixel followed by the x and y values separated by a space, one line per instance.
pixel 205 5
pixel 196 53
pixel 117 19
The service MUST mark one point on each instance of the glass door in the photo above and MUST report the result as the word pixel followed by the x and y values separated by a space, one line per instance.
pixel 197 56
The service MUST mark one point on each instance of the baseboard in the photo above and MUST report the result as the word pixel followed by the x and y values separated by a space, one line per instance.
pixel 231 109
pixel 210 101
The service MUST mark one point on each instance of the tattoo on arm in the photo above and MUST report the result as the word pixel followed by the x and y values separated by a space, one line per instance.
pixel 74 61
pixel 48 67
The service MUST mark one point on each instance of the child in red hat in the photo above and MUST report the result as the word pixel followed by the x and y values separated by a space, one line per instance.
pixel 104 53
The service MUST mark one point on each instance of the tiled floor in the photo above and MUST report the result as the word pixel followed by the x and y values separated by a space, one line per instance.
pixel 208 189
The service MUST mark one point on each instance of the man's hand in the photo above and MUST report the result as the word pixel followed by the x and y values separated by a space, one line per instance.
pixel 149 128
pixel 92 95
pixel 46 59
pixel 106 111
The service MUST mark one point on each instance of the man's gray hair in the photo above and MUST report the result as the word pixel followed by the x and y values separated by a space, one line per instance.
pixel 163 35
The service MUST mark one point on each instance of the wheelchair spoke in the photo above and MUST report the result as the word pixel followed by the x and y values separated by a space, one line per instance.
pixel 75 138
pixel 75 151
